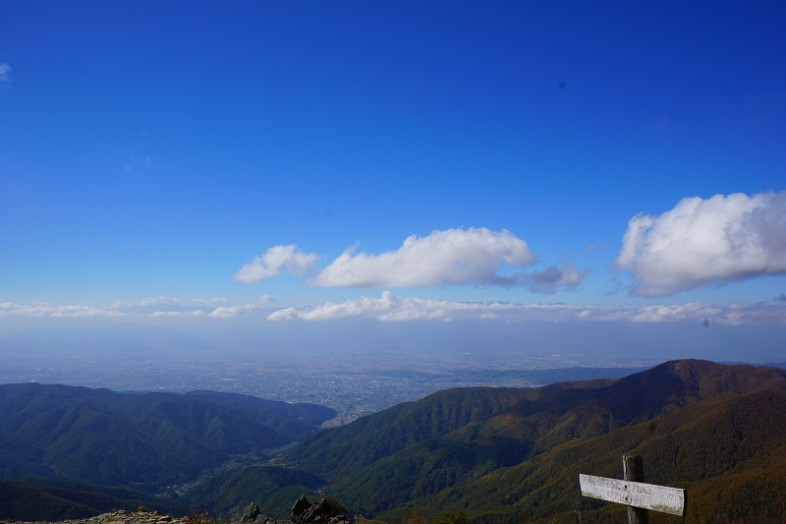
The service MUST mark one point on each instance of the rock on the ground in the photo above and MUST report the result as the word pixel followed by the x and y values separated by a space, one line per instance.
pixel 252 515
pixel 320 512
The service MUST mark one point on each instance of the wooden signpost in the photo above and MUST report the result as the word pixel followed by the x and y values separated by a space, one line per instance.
pixel 638 496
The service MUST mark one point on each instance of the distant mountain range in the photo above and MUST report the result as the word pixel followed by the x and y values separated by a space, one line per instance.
pixel 494 454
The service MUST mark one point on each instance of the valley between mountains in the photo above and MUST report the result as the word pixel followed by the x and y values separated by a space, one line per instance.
pixel 477 454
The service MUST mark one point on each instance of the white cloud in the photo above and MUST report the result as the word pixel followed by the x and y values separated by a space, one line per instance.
pixel 5 72
pixel 234 310
pixel 177 314
pixel 700 241
pixel 156 307
pixel 41 309
pixel 164 306
pixel 385 308
pixel 274 261
pixel 287 313
pixel 331 311
pixel 674 313
pixel 145 302
pixel 208 301
pixel 389 308
pixel 453 256
pixel 730 315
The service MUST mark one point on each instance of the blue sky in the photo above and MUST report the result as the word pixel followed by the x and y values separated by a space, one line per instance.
pixel 456 162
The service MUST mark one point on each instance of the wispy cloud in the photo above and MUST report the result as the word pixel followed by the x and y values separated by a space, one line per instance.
pixel 155 307
pixel 135 162
pixel 5 72
pixel 231 311
pixel 41 309
pixel 164 306
pixel 215 300
pixel 453 256
pixel 700 241
pixel 553 278
pixel 275 261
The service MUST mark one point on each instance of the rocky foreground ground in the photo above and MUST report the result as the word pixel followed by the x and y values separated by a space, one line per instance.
pixel 121 517
pixel 303 512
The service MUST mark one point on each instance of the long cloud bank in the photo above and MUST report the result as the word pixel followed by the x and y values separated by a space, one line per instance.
pixel 156 307
pixel 701 241
pixel 388 307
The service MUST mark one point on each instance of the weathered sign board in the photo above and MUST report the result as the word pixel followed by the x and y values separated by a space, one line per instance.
pixel 637 494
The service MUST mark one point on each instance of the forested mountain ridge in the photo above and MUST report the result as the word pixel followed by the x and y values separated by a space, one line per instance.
pixel 146 440
pixel 400 457
pixel 572 408
pixel 727 451
pixel 370 438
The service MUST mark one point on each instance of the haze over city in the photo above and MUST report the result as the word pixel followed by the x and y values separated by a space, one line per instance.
pixel 502 185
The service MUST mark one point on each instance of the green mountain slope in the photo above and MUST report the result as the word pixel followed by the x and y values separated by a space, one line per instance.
pixel 142 440
pixel 345 450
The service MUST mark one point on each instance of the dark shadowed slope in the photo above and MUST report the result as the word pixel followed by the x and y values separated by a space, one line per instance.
pixel 36 500
pixel 145 440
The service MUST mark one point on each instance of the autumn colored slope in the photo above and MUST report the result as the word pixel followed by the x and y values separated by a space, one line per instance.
pixel 516 454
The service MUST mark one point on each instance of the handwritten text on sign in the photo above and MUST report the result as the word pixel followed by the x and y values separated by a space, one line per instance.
pixel 638 494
